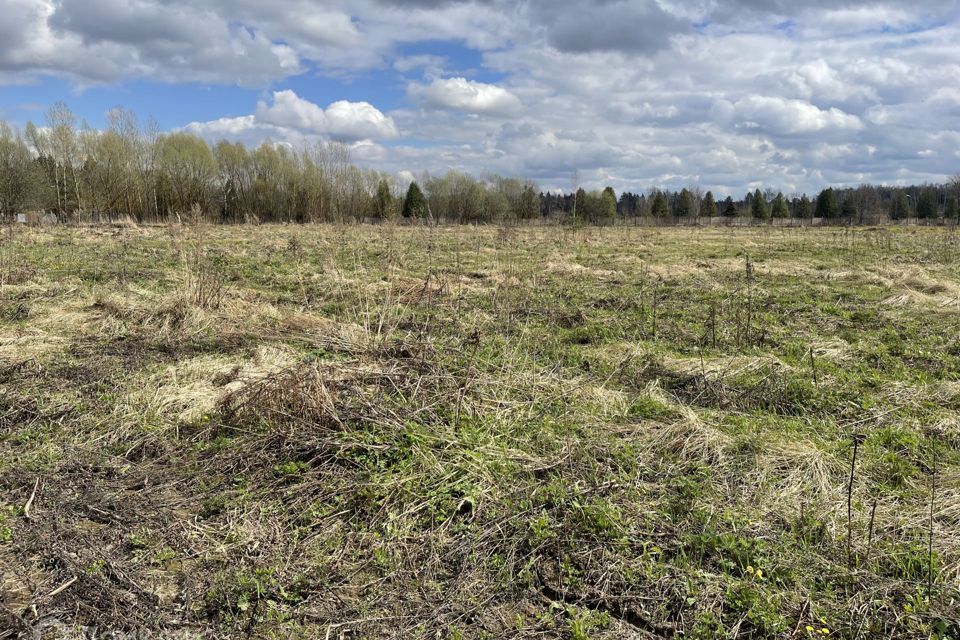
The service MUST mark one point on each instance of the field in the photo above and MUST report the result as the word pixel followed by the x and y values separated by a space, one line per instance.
pixel 367 432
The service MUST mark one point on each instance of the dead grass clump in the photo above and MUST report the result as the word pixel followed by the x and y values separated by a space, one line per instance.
pixel 19 411
pixel 17 274
pixel 567 268
pixel 694 441
pixel 796 472
pixel 295 397
pixel 757 383
pixel 159 318
pixel 903 299
pixel 205 286
pixel 28 345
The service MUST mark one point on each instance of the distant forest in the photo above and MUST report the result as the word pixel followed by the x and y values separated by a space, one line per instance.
pixel 79 174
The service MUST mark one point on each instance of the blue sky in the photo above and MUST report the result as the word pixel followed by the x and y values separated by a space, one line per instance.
pixel 175 104
pixel 728 95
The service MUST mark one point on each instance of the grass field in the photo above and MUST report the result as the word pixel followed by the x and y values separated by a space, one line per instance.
pixel 331 432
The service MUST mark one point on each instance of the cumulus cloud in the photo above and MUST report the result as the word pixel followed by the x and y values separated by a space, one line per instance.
pixel 465 95
pixel 291 118
pixel 290 110
pixel 106 40
pixel 789 117
pixel 358 120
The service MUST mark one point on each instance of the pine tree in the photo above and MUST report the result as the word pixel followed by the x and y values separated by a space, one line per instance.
pixel 927 204
pixel 414 205
pixel 580 204
pixel 686 204
pixel 758 207
pixel 608 205
pixel 660 207
pixel 952 210
pixel 900 208
pixel 804 208
pixel 729 208
pixel 780 208
pixel 827 206
pixel 383 201
pixel 708 206
pixel 848 210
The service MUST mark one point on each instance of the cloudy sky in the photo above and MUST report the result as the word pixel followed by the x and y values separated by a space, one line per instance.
pixel 722 94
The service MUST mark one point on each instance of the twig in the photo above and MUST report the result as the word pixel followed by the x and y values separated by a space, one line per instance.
pixel 62 587
pixel 331 627
pixel 933 498
pixel 873 513
pixel 853 468
pixel 813 367
pixel 26 507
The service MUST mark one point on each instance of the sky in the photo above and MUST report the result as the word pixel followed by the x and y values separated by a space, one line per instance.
pixel 726 95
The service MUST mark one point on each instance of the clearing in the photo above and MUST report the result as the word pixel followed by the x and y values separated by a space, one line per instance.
pixel 358 431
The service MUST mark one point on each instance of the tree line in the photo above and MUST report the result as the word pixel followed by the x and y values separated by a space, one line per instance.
pixel 129 169
pixel 860 204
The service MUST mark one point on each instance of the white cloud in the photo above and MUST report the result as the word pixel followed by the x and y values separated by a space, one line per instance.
pixel 465 95
pixel 790 117
pixel 290 110
pixel 359 120
pixel 864 18
pixel 293 119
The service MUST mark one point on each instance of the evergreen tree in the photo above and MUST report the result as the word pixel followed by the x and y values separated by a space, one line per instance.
pixel 900 208
pixel 827 206
pixel 804 207
pixel 686 204
pixel 780 208
pixel 414 205
pixel 927 204
pixel 758 207
pixel 528 206
pixel 580 204
pixel 729 208
pixel 952 210
pixel 848 210
pixel 608 205
pixel 660 207
pixel 708 206
pixel 383 201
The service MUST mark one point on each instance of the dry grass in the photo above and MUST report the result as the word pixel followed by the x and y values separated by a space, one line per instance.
pixel 342 432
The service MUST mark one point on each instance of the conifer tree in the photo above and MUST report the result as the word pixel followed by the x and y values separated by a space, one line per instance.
pixel 414 205
pixel 900 208
pixel 660 207
pixel 580 204
pixel 729 208
pixel 780 208
pixel 383 201
pixel 708 206
pixel 848 209
pixel 758 207
pixel 528 206
pixel 952 210
pixel 927 204
pixel 686 204
pixel 827 206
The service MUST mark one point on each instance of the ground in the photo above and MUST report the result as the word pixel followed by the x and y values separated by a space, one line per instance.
pixel 368 432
